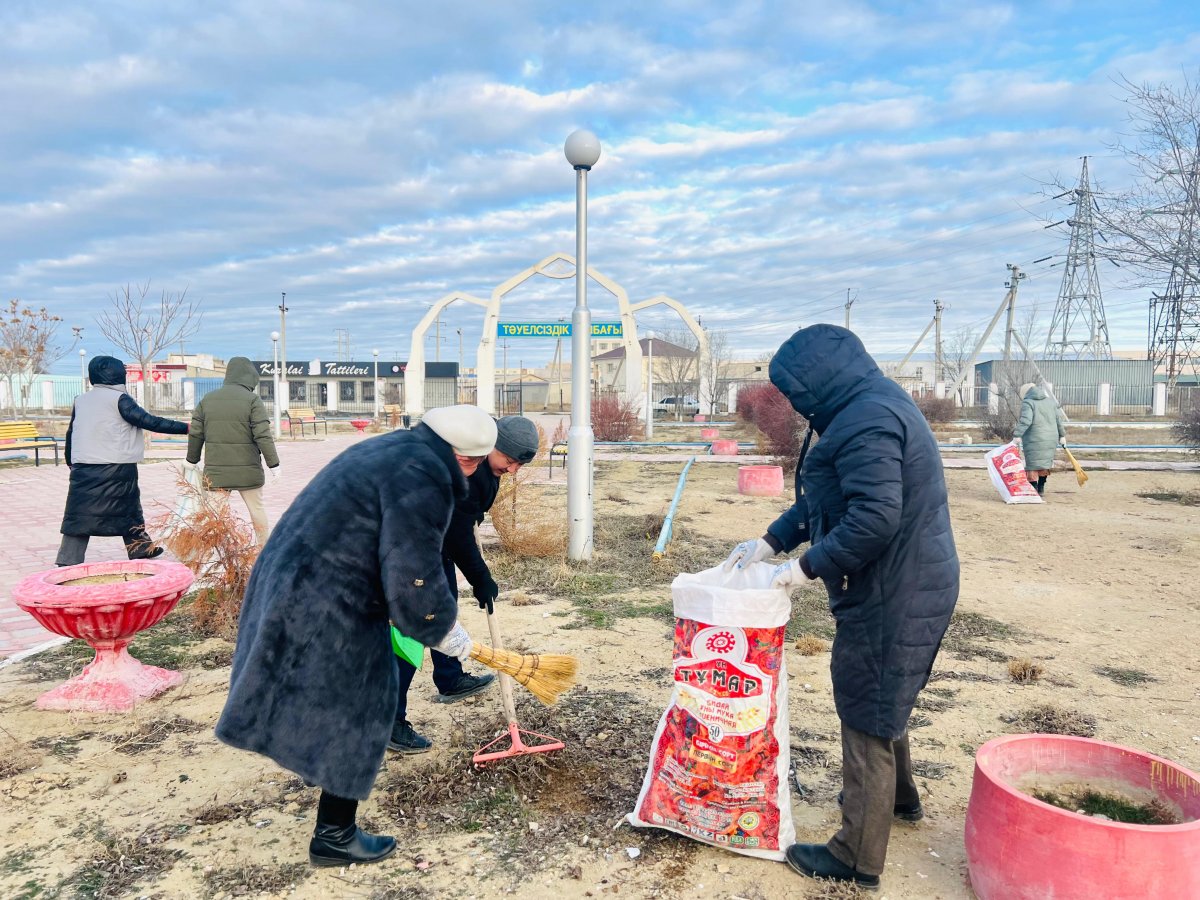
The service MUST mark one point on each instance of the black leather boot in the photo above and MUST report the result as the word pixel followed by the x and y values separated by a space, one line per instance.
pixel 341 845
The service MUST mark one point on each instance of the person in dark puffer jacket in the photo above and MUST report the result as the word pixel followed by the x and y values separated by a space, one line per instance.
pixel 871 502
pixel 103 448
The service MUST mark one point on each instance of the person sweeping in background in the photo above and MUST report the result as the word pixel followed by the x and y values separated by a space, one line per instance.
pixel 1040 429
pixel 871 502
pixel 105 443
pixel 516 445
pixel 314 679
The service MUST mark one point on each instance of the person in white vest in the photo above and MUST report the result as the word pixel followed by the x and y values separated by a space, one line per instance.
pixel 103 448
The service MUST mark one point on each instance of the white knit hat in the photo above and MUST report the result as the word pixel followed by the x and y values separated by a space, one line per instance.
pixel 468 429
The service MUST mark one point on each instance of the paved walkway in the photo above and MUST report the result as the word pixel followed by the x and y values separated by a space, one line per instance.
pixel 32 500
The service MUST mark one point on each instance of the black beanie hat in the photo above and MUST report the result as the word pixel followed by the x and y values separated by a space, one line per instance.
pixel 517 437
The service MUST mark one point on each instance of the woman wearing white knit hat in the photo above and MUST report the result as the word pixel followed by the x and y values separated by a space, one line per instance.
pixel 314 682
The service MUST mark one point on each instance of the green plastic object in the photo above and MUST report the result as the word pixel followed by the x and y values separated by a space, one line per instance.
pixel 408 649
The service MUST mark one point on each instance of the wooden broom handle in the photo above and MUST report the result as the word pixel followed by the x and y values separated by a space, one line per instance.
pixel 506 691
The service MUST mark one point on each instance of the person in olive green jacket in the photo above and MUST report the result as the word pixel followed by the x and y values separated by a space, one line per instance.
pixel 232 426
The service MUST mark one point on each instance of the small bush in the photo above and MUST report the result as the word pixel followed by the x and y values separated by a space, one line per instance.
pixel 220 550
pixel 614 418
pixel 937 410
pixel 811 645
pixel 999 426
pixel 1025 670
pixel 1187 429
pixel 749 397
pixel 526 524
pixel 781 425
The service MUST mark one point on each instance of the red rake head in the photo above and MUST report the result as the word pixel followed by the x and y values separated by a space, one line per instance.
pixel 517 746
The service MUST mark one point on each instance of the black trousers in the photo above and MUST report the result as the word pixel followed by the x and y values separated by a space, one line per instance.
pixel 446 672
pixel 73 547
pixel 876 775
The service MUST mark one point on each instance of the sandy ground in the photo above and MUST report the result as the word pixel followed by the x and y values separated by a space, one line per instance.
pixel 1097 577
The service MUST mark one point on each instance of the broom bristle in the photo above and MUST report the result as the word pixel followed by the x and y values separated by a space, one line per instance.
pixel 546 675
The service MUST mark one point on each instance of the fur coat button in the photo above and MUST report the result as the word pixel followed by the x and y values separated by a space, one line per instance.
pixel 419 582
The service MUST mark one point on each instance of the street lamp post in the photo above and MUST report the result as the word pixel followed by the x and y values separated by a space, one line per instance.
pixel 275 382
pixel 82 371
pixel 582 150
pixel 283 382
pixel 375 389
pixel 650 389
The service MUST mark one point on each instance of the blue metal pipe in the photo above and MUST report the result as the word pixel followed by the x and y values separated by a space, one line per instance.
pixel 664 536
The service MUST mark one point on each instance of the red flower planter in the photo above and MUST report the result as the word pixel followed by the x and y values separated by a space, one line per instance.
pixel 106 615
pixel 760 481
pixel 724 448
pixel 360 424
pixel 1019 848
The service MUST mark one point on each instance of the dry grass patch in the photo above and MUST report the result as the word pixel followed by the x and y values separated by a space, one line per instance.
pixel 1046 718
pixel 118 862
pixel 150 734
pixel 811 645
pixel 246 879
pixel 1025 670
pixel 1125 677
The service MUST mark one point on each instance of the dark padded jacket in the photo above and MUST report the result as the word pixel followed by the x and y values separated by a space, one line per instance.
pixel 871 499
pixel 233 429
pixel 314 681
pixel 460 548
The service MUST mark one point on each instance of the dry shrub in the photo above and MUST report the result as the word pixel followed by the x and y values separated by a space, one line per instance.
pixel 220 550
pixel 1187 429
pixel 1025 670
pixel 748 397
pixel 781 427
pixel 521 598
pixel 811 645
pixel 17 757
pixel 525 523
pixel 615 418
pixel 937 410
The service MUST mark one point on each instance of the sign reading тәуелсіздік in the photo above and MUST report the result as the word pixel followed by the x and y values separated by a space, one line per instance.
pixel 553 329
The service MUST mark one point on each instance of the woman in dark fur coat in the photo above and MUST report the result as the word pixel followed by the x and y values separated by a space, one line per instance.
pixel 314 680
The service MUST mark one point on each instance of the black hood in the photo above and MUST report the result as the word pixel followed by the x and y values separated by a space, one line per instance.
pixel 106 370
pixel 819 369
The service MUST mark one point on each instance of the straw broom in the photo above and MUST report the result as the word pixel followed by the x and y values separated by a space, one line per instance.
pixel 546 675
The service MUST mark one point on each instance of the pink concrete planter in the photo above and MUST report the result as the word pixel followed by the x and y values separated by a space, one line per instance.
pixel 1019 848
pixel 699 417
pixel 724 448
pixel 708 434
pixel 760 481
pixel 107 615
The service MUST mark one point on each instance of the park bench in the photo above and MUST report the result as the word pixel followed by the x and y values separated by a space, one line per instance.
pixel 24 436
pixel 391 414
pixel 301 416
pixel 558 449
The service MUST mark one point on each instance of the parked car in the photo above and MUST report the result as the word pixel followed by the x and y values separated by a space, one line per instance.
pixel 683 405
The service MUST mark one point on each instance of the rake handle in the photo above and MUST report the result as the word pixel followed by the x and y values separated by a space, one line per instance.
pixel 506 691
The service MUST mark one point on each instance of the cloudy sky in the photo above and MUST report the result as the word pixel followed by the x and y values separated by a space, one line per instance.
pixel 368 158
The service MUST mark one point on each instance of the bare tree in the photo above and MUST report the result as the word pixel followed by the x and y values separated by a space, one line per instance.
pixel 956 353
pixel 27 346
pixel 678 371
pixel 144 328
pixel 1153 229
pixel 717 367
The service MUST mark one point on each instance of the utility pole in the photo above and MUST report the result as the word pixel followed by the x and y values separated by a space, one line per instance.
pixel 849 303
pixel 458 380
pixel 504 389
pixel 938 376
pixel 283 382
pixel 1009 301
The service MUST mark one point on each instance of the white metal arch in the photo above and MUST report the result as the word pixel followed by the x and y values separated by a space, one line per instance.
pixel 485 360
pixel 705 397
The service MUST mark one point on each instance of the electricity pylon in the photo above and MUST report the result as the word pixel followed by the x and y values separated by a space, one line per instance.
pixel 1079 329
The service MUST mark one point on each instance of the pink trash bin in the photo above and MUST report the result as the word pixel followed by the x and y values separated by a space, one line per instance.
pixel 1019 848
pixel 708 434
pixel 724 448
pixel 699 417
pixel 760 481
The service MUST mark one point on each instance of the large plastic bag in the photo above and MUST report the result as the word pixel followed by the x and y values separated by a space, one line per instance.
pixel 1007 469
pixel 187 504
pixel 719 761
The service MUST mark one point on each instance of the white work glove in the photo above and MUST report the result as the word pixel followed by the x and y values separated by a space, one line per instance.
pixel 789 574
pixel 275 473
pixel 1017 441
pixel 1063 443
pixel 457 644
pixel 748 552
